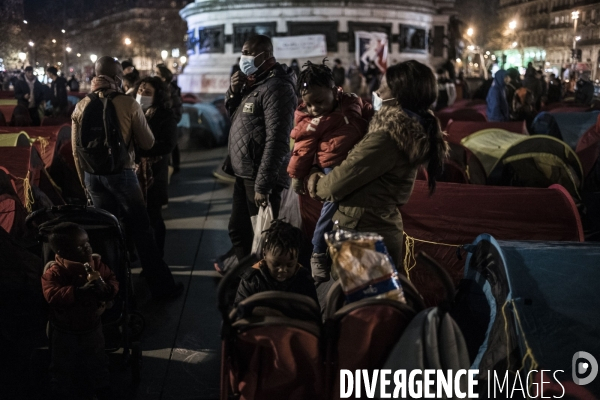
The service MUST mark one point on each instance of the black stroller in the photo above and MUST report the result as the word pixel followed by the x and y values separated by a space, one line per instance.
pixel 121 324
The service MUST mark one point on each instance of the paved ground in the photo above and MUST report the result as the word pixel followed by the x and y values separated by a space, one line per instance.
pixel 181 343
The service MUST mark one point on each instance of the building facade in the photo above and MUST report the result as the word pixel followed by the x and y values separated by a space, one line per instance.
pixel 546 31
pixel 416 29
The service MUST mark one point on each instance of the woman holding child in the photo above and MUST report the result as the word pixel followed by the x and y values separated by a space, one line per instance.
pixel 379 173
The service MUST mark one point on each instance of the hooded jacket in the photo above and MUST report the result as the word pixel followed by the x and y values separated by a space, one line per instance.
pixel 497 104
pixel 328 137
pixel 262 118
pixel 258 280
pixel 68 311
pixel 378 176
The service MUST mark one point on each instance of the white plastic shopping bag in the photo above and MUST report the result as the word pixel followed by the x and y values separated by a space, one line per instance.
pixel 261 223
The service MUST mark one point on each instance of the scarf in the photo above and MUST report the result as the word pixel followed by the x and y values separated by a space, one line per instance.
pixel 103 82
pixel 259 75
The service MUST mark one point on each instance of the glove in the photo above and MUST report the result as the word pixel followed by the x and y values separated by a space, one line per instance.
pixel 298 186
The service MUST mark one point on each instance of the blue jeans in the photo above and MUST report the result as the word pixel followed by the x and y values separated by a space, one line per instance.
pixel 121 195
pixel 324 224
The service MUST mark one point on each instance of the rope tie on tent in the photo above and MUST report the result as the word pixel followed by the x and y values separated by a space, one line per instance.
pixel 44 142
pixel 507 334
pixel 409 251
pixel 27 192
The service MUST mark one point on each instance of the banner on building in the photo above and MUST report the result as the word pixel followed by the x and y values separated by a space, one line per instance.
pixel 371 46
pixel 304 46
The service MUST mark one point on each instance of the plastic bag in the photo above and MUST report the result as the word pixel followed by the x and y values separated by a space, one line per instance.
pixel 363 265
pixel 261 223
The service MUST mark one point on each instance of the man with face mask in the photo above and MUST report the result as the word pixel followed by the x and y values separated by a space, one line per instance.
pixel 30 93
pixel 120 193
pixel 261 101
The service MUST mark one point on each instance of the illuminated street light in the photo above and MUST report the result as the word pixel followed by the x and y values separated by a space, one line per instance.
pixel 514 44
pixel 577 38
pixel 59 63
pixel 127 41
pixel 183 59
pixel 22 56
pixel 62 30
pixel 93 57
pixel 53 40
pixel 575 15
pixel 470 32
pixel 458 60
pixel 78 54
pixel 512 24
pixel 164 54
pixel 31 43
pixel 471 47
pixel 68 49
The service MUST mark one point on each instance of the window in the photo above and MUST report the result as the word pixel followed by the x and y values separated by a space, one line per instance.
pixel 556 20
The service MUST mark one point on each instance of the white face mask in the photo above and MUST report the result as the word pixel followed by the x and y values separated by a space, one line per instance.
pixel 378 101
pixel 247 64
pixel 144 101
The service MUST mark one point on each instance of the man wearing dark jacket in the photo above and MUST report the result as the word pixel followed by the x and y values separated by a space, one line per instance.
pixel 30 93
pixel 261 101
pixel 584 90
pixel 60 100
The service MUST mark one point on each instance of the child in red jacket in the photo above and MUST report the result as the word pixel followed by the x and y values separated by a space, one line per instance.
pixel 78 364
pixel 328 124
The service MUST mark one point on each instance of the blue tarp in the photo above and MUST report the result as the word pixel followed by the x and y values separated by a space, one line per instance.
pixel 568 127
pixel 554 298
pixel 207 117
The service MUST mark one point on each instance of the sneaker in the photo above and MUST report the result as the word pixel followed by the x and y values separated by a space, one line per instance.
pixel 173 294
pixel 319 264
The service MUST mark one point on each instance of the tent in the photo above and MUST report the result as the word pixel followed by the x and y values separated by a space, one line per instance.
pixel 588 147
pixel 7 111
pixel 12 213
pixel 456 214
pixel 536 308
pixel 511 159
pixel 464 114
pixel 44 139
pixel 457 130
pixel 204 124
pixel 566 126
pixel 24 163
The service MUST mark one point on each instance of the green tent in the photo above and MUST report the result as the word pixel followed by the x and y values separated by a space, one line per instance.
pixel 511 159
pixel 19 139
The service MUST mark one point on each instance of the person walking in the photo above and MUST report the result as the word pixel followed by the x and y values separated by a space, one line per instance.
pixel 29 93
pixel 60 101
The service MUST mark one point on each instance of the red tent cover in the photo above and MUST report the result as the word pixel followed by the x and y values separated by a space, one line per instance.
pixel 588 148
pixel 10 209
pixel 456 214
pixel 6 94
pixel 7 111
pixel 457 130
pixel 464 114
pixel 25 166
pixel 46 139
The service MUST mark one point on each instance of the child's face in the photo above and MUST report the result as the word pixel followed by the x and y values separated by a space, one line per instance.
pixel 319 100
pixel 282 265
pixel 78 249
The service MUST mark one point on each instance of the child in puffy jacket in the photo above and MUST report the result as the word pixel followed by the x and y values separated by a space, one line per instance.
pixel 328 124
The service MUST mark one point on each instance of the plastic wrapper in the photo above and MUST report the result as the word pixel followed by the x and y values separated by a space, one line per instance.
pixel 364 268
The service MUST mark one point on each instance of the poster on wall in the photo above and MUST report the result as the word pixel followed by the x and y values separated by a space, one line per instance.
pixel 371 47
pixel 413 39
pixel 304 46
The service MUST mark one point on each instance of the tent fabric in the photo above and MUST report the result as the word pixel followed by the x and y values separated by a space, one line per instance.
pixel 44 139
pixel 490 144
pixel 7 111
pixel 588 148
pixel 205 117
pixel 25 166
pixel 457 130
pixel 566 126
pixel 554 300
pixel 465 114
pixel 15 139
pixel 455 214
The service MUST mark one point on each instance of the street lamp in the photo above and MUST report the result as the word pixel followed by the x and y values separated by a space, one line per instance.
pixel 512 25
pixel 470 32
pixel 514 44
pixel 93 57
pixel 22 56
pixel 127 41
pixel 31 43
pixel 54 41
pixel 164 54
pixel 68 49
pixel 25 21
pixel 78 54
pixel 575 17
pixel 62 30
pixel 183 59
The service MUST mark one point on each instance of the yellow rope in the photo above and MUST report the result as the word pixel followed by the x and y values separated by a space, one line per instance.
pixel 44 142
pixel 27 192
pixel 409 251
pixel 507 335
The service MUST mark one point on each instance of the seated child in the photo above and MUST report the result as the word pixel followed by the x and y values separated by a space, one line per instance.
pixel 279 269
pixel 78 361
pixel 328 124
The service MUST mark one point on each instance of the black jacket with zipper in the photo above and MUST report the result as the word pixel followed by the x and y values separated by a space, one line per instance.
pixel 262 117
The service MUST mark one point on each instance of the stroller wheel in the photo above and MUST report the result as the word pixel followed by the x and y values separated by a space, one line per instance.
pixel 136 325
pixel 136 363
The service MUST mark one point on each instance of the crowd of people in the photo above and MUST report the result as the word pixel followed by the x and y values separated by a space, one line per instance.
pixel 360 158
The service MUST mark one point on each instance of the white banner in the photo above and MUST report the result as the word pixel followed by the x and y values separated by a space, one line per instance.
pixel 304 46
pixel 371 46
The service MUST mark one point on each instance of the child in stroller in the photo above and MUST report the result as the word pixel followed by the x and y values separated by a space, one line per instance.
pixel 75 308
pixel 279 269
